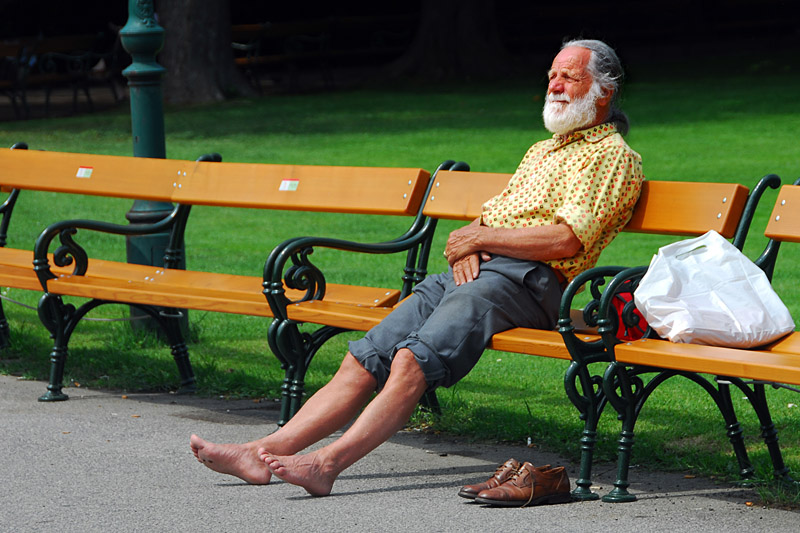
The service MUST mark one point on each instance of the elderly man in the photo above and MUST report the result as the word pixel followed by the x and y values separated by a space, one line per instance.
pixel 568 199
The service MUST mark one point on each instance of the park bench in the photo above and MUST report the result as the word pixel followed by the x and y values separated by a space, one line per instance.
pixel 668 208
pixel 50 62
pixel 715 369
pixel 318 44
pixel 159 290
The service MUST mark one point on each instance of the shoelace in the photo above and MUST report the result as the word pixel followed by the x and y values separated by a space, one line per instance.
pixel 517 474
pixel 500 469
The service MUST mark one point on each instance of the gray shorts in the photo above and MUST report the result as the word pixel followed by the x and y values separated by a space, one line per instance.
pixel 447 327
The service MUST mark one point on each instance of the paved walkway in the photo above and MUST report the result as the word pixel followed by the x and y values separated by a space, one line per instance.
pixel 102 462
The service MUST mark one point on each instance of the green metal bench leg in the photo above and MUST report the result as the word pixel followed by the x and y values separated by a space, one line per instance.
pixel 58 358
pixel 430 402
pixel 5 331
pixel 589 400
pixel 290 346
pixel 170 321
pixel 626 405
pixel 768 432
pixel 285 398
pixel 297 390
pixel 55 316
pixel 734 430
pixel 274 337
pixel 629 404
pixel 583 490
pixel 620 494
pixel 298 349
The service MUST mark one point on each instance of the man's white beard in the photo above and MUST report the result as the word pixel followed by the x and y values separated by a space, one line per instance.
pixel 562 119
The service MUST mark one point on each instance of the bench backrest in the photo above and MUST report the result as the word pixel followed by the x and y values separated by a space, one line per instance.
pixel 784 222
pixel 665 207
pixel 394 191
pixel 386 191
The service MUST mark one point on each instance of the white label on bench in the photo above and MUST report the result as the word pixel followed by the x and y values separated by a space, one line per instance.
pixel 84 172
pixel 289 185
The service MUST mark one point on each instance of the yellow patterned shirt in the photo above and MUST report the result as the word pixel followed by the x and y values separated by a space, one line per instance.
pixel 589 179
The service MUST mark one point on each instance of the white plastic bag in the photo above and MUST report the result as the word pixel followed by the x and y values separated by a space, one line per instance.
pixel 705 291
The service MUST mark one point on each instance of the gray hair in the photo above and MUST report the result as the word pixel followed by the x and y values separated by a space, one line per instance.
pixel 606 70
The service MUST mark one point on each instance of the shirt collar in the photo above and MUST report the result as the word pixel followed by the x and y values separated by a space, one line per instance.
pixel 591 135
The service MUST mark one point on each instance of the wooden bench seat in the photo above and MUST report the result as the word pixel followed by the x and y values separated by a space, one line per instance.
pixel 765 365
pixel 715 369
pixel 205 291
pixel 362 318
pixel 156 290
pixel 668 208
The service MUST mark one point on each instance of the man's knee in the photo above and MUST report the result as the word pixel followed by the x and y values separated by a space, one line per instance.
pixel 405 368
pixel 352 371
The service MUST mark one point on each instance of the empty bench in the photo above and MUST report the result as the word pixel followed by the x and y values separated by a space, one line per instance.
pixel 159 291
pixel 669 208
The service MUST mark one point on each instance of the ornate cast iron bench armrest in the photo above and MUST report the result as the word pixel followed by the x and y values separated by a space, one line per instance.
pixel 70 251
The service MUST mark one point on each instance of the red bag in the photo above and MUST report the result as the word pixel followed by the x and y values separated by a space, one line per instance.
pixel 624 332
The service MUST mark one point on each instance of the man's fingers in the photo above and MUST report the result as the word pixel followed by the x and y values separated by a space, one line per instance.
pixel 474 265
pixel 466 269
pixel 458 276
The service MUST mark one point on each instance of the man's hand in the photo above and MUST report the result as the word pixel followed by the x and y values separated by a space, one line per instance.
pixel 468 246
pixel 466 269
pixel 463 242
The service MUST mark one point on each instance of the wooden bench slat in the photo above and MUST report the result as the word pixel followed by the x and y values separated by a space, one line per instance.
pixel 17 257
pixel 91 174
pixel 19 278
pixel 226 293
pixel 518 340
pixel 681 208
pixel 386 191
pixel 157 294
pixel 784 222
pixel 665 207
pixel 532 341
pixel 788 344
pixel 773 366
pixel 338 314
pixel 458 195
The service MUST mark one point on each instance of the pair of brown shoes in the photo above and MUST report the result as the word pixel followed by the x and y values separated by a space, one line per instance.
pixel 520 485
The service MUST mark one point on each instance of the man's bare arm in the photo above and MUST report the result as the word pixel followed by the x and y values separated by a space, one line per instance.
pixel 539 243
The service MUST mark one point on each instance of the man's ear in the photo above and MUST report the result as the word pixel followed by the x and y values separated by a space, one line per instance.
pixel 605 97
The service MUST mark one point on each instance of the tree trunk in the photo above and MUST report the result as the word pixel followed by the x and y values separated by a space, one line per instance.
pixel 455 39
pixel 197 52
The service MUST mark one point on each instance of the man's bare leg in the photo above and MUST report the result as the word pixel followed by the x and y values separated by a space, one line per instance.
pixel 382 418
pixel 333 406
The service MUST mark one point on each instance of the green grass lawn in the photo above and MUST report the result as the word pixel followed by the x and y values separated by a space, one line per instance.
pixel 688 124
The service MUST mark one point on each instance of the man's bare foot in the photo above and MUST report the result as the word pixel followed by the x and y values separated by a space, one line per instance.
pixel 307 471
pixel 238 460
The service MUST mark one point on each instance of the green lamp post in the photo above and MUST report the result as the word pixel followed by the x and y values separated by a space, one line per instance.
pixel 143 38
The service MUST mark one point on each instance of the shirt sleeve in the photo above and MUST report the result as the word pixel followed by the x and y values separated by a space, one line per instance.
pixel 602 193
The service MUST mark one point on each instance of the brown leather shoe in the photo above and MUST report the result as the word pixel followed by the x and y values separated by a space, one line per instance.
pixel 503 473
pixel 530 486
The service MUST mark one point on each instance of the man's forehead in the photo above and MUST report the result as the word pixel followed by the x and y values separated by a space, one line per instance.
pixel 572 58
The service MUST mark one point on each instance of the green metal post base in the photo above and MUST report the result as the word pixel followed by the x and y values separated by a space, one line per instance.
pixel 51 396
pixel 584 494
pixel 619 495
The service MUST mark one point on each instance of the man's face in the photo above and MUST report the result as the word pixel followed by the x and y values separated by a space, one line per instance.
pixel 572 95
pixel 569 75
